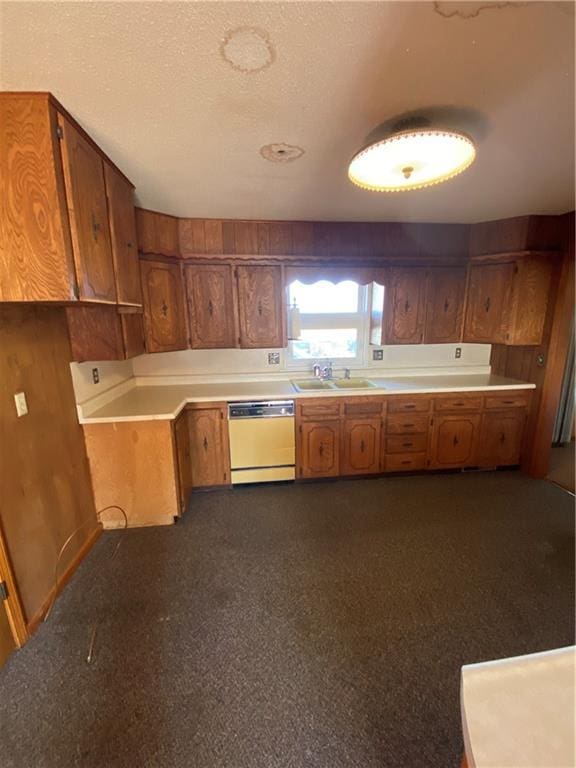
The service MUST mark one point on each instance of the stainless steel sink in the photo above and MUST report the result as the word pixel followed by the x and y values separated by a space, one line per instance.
pixel 354 383
pixel 311 385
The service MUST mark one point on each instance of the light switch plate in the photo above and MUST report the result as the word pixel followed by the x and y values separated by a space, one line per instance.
pixel 273 358
pixel 377 354
pixel 21 404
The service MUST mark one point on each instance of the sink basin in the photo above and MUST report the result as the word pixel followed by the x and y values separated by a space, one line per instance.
pixel 309 385
pixel 354 384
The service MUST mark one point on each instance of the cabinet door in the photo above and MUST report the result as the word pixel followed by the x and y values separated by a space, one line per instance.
pixel 404 307
pixel 132 326
pixel 209 449
pixel 157 233
pixel 164 319
pixel 445 290
pixel 489 294
pixel 183 458
pixel 123 234
pixel 454 441
pixel 94 333
pixel 260 307
pixel 501 437
pixel 88 212
pixel 319 454
pixel 361 446
pixel 211 306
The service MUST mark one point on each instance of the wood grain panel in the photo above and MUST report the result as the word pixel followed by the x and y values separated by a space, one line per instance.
pixel 158 233
pixel 280 238
pixel 454 441
pixel 361 446
pixel 261 307
pixel 530 295
pixel 245 237
pixel 489 303
pixel 132 464
pixel 95 333
pixel 209 446
pixel 164 315
pixel 44 477
pixel 88 213
pixel 445 291
pixel 123 236
pixel 404 305
pixel 132 327
pixel 318 449
pixel 211 306
pixel 36 262
pixel 302 238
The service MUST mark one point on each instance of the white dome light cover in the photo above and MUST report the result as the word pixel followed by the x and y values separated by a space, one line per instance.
pixel 412 159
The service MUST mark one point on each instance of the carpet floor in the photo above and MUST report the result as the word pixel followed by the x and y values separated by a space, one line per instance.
pixel 294 626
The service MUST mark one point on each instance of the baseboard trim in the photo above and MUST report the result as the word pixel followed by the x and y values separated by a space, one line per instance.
pixel 33 624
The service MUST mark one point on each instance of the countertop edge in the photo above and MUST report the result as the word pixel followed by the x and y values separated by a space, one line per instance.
pixel 374 391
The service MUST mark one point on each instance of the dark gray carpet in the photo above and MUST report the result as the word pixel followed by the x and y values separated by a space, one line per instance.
pixel 316 626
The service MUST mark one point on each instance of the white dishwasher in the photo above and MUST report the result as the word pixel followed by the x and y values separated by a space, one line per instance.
pixel 262 441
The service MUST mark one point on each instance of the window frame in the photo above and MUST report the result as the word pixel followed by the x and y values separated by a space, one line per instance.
pixel 333 320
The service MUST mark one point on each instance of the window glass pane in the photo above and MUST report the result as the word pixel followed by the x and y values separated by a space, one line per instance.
pixel 322 297
pixel 328 343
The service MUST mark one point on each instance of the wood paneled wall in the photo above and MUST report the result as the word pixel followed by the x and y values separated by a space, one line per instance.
pixel 44 478
pixel 521 233
pixel 308 240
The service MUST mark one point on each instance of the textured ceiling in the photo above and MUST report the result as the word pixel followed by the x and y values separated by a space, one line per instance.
pixel 153 85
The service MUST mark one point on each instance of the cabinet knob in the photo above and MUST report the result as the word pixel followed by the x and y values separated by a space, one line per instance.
pixel 502 438
pixel 164 309
pixel 321 449
pixel 205 443
pixel 487 304
pixel 95 228
pixel 455 441
pixel 210 308
pixel 446 305
pixel 260 308
pixel 406 306
pixel 362 446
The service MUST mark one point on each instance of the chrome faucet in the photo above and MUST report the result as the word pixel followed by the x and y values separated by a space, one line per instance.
pixel 317 371
pixel 326 372
pixel 346 373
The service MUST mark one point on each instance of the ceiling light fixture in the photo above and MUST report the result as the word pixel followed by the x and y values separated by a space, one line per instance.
pixel 412 158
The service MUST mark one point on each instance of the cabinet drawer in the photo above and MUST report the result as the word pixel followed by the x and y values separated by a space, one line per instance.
pixel 360 409
pixel 405 424
pixel 319 410
pixel 404 462
pixel 513 400
pixel 408 404
pixel 455 403
pixel 406 443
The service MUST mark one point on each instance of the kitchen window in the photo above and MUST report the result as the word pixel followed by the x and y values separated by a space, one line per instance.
pixel 333 320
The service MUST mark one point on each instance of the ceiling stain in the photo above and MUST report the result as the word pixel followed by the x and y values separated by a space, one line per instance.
pixel 468 10
pixel 281 153
pixel 248 49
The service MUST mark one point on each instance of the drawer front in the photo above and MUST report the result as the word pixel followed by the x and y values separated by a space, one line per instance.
pixel 408 404
pixel 406 443
pixel 456 403
pixel 513 400
pixel 318 410
pixel 406 424
pixel 372 408
pixel 404 462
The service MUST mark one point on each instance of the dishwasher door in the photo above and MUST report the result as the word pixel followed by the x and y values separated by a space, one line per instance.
pixel 262 449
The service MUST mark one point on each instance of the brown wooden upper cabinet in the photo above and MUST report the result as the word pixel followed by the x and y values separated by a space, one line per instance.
pixel 261 307
pixel 211 304
pixel 88 209
pixel 508 299
pixel 445 289
pixel 120 195
pixel 101 332
pixel 57 243
pixel 157 233
pixel 164 315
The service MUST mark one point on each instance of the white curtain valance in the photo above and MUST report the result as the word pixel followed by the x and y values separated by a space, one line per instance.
pixel 360 275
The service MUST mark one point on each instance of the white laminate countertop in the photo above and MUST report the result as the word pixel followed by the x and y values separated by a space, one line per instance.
pixel 145 403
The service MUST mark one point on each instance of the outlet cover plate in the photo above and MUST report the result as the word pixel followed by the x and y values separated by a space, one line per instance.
pixel 273 358
pixel 95 375
pixel 377 354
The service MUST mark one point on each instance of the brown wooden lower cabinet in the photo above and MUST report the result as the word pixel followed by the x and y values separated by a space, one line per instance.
pixel 454 441
pixel 209 445
pixel 319 449
pixel 183 458
pixel 501 436
pixel 361 441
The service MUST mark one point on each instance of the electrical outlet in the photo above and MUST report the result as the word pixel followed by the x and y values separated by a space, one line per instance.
pixel 458 353
pixel 377 354
pixel 21 404
pixel 273 358
pixel 95 375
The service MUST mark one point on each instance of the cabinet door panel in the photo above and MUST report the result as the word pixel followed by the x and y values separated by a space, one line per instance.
pixel 123 235
pixel 88 211
pixel 209 447
pixel 361 446
pixel 211 306
pixel 183 457
pixel 94 333
pixel 501 438
pixel 404 305
pixel 444 304
pixel 454 441
pixel 164 319
pixel 488 310
pixel 319 449
pixel 133 334
pixel 260 307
